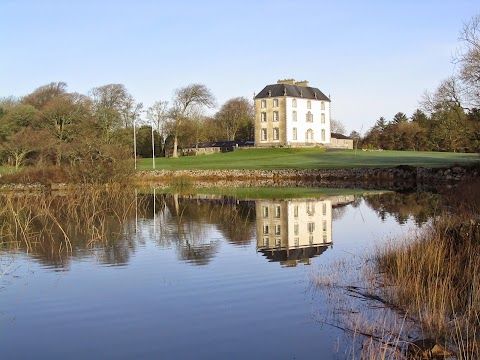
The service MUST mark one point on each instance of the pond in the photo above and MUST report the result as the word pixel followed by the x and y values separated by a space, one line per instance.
pixel 168 276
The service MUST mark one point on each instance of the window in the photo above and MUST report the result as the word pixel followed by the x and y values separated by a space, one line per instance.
pixel 295 211
pixel 275 102
pixel 265 229
pixel 265 211
pixel 310 239
pixel 323 135
pixel 322 105
pixel 294 102
pixel 265 242
pixel 263 104
pixel 309 104
pixel 323 118
pixel 294 115
pixel 295 229
pixel 277 212
pixel 324 238
pixel 278 242
pixel 264 134
pixel 264 117
pixel 297 242
pixel 277 229
pixel 294 133
pixel 324 225
pixel 275 116
pixel 311 227
pixel 309 135
pixel 310 208
pixel 276 134
pixel 309 117
pixel 324 208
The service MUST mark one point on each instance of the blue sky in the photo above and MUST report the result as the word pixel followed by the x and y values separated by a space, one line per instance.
pixel 374 58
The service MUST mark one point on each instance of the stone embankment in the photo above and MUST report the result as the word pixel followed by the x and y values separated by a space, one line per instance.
pixel 398 178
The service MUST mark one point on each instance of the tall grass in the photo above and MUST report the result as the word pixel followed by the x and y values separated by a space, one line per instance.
pixel 435 275
pixel 48 222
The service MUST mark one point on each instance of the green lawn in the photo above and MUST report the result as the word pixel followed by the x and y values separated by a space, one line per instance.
pixel 309 158
pixel 270 192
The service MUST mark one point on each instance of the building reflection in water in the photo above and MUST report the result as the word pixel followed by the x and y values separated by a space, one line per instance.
pixel 296 230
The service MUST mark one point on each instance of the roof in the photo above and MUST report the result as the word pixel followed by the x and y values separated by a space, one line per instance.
pixel 340 136
pixel 277 90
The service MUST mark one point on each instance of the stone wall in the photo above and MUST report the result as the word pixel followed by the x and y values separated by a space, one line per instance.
pixel 399 178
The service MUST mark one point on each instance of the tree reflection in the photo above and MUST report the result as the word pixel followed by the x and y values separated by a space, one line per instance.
pixel 417 206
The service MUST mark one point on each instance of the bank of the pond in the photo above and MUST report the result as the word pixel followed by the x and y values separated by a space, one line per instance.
pixel 398 178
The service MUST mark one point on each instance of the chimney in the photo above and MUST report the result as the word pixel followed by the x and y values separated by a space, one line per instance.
pixel 302 83
pixel 286 81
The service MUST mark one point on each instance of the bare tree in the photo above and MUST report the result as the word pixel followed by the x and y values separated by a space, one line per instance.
pixel 468 58
pixel 157 114
pixel 447 94
pixel 186 101
pixel 336 126
pixel 130 111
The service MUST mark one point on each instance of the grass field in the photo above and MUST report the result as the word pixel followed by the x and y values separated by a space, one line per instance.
pixel 308 158
pixel 269 192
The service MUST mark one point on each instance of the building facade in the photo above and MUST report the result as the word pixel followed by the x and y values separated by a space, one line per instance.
pixel 295 230
pixel 291 113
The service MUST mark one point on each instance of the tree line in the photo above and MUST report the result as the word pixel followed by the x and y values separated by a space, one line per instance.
pixel 92 135
pixel 448 119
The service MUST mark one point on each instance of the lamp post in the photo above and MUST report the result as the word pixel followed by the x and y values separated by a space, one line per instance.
pixel 134 142
pixel 153 148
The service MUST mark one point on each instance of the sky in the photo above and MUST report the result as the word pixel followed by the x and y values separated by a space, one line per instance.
pixel 373 58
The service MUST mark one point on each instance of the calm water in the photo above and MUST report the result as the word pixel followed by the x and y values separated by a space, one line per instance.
pixel 192 278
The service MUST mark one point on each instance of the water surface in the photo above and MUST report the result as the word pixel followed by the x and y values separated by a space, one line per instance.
pixel 193 277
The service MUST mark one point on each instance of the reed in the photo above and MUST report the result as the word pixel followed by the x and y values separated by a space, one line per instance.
pixel 434 276
pixel 48 222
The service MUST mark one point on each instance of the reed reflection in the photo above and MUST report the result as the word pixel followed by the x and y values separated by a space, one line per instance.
pixel 109 225
pixel 294 231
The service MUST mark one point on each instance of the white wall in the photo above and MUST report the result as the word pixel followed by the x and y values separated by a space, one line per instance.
pixel 302 125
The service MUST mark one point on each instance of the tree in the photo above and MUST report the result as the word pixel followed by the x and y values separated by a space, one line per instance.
pixel 233 115
pixel 336 126
pixel 63 113
pixel 468 59
pixel 130 111
pixel 17 117
pixel 399 118
pixel 108 102
pixel 186 100
pixel 381 124
pixel 42 95
pixel 20 144
pixel 157 114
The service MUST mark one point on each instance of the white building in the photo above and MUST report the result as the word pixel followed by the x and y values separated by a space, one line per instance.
pixel 291 113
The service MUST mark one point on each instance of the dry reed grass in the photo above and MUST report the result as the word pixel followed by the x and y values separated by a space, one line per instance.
pixel 435 275
pixel 50 220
